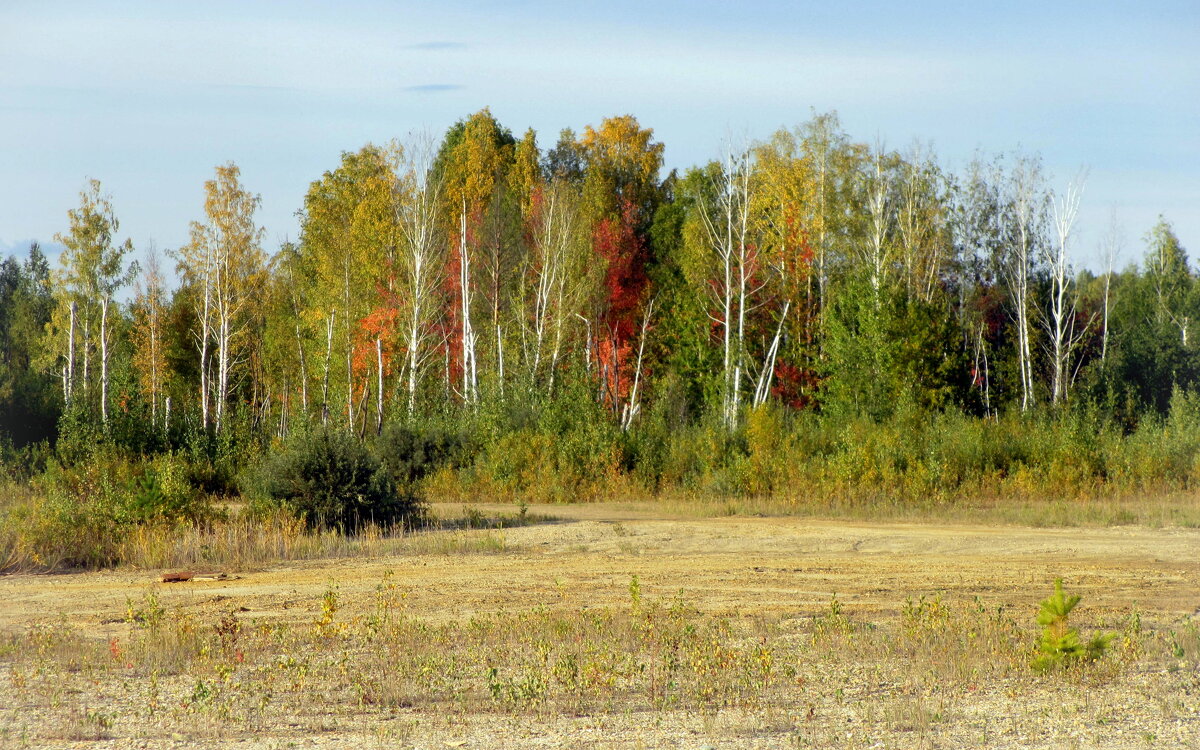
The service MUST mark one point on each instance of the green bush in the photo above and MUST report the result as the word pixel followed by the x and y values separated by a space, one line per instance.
pixel 330 480
pixel 163 492
pixel 409 455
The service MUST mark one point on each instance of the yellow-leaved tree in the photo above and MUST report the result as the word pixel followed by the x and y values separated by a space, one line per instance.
pixel 472 166
pixel 225 264
pixel 350 238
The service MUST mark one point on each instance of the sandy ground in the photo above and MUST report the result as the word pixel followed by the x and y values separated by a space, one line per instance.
pixel 723 566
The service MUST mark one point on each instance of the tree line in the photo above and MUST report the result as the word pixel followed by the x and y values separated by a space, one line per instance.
pixel 485 273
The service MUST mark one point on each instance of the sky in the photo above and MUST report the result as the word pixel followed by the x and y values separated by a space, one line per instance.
pixel 148 97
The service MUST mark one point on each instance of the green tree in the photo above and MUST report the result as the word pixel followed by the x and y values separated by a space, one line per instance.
pixel 472 168
pixel 1166 265
pixel 93 271
pixel 1059 644
pixel 29 399
pixel 350 241
pixel 1147 359
pixel 149 352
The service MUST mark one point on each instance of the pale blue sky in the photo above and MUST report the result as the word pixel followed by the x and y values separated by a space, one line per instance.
pixel 149 96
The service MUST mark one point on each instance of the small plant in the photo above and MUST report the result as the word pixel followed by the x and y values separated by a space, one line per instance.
pixel 1059 644
pixel 149 615
pixel 474 518
pixel 161 492
pixel 833 622
pixel 330 604
pixel 202 695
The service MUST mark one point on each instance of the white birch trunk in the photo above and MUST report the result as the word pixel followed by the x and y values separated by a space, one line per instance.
pixel 417 208
pixel 728 235
pixel 379 394
pixel 69 370
pixel 1019 269
pixel 154 372
pixel 87 354
pixel 1062 310
pixel 104 360
pixel 303 368
pixel 634 406
pixel 762 389
pixel 877 252
pixel 223 354
pixel 328 362
pixel 350 389
pixel 205 335
pixel 468 333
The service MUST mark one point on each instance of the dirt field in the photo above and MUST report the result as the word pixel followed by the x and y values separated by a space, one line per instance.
pixel 774 570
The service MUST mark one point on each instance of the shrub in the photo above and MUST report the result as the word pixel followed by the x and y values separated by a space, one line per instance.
pixel 409 455
pixel 330 480
pixel 163 492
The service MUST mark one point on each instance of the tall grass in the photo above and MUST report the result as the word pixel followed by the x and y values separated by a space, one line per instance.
pixel 37 534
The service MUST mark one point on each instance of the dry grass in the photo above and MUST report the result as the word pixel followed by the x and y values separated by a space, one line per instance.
pixel 31 542
pixel 809 679
pixel 246 542
pixel 36 537
pixel 1154 510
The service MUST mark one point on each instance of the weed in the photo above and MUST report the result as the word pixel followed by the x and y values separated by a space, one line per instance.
pixel 330 604
pixel 902 674
pixel 150 614
pixel 832 623
pixel 88 725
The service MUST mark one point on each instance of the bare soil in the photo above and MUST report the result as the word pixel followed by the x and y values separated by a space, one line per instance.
pixel 725 566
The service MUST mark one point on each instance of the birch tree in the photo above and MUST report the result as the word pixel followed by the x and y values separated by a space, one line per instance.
pixel 1110 249
pixel 786 200
pixel 94 269
pixel 725 217
pixel 224 259
pixel 350 243
pixel 556 279
pixel 149 354
pixel 1026 201
pixel 288 336
pixel 977 217
pixel 876 251
pixel 422 258
pixel 1170 279
pixel 471 166
pixel 1060 321
pixel 832 159
pixel 920 223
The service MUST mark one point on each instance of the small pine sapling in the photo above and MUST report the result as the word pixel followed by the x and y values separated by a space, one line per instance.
pixel 1059 644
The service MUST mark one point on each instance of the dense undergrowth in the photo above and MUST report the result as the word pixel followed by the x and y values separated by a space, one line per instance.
pixel 95 501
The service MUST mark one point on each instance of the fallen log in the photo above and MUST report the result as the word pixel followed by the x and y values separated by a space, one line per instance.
pixel 187 575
